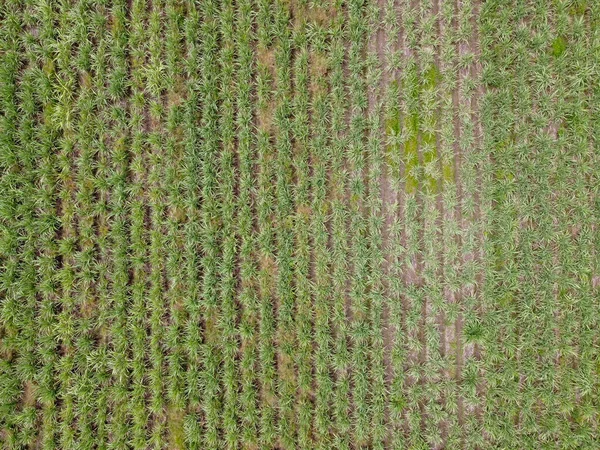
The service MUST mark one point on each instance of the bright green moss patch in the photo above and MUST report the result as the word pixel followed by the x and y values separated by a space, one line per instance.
pixel 48 67
pixel 432 77
pixel 499 260
pixel 176 429
pixel 393 122
pixel 429 162
pixel 411 154
pixel 507 299
pixel 578 8
pixel 448 173
pixel 393 149
pixel 504 175
pixel 559 45
pixel 411 165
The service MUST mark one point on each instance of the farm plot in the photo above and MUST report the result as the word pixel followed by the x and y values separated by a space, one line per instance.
pixel 296 224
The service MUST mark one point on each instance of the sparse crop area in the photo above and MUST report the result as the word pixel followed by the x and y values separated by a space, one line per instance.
pixel 298 224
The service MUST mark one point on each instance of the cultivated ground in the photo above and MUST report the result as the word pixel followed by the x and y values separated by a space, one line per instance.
pixel 292 224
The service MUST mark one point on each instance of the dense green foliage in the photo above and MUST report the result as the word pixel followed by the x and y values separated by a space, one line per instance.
pixel 299 224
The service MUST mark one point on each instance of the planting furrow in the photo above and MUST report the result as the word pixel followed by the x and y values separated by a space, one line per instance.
pixel 474 257
pixel 193 185
pixel 209 134
pixel 374 69
pixel 540 349
pixel 501 277
pixel 592 352
pixel 227 188
pixel 594 181
pixel 339 234
pixel 412 203
pixel 520 100
pixel 116 137
pixel 284 238
pixel 302 251
pixel 485 196
pixel 468 326
pixel 533 255
pixel 360 332
pixel 64 118
pixel 265 198
pixel 10 65
pixel 319 65
pixel 557 137
pixel 155 161
pixel 394 171
pixel 246 295
pixel 524 258
pixel 571 418
pixel 96 69
pixel 432 290
pixel 19 417
pixel 451 216
pixel 47 262
pixel 138 234
pixel 85 128
pixel 174 223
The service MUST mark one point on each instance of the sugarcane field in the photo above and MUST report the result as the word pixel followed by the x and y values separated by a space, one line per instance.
pixel 300 224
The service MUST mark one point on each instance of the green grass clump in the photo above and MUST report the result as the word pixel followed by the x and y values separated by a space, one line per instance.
pixel 559 46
